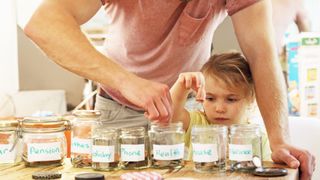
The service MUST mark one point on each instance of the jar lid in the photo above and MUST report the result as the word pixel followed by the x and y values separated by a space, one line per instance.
pixel 87 113
pixel 9 123
pixel 41 124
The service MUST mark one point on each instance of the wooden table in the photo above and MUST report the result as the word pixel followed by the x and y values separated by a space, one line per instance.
pixel 186 173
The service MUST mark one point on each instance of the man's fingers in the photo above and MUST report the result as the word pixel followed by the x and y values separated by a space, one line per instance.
pixel 152 112
pixel 168 105
pixel 162 109
pixel 188 80
pixel 307 162
pixel 284 156
pixel 159 110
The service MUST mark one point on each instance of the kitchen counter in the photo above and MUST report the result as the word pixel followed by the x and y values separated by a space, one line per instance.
pixel 68 172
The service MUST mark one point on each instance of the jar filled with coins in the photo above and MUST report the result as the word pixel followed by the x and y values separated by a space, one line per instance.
pixel 105 149
pixel 83 126
pixel 209 148
pixel 134 148
pixel 167 145
pixel 245 147
pixel 9 142
pixel 44 142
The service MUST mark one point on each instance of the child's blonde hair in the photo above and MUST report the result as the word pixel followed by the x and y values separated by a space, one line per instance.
pixel 231 68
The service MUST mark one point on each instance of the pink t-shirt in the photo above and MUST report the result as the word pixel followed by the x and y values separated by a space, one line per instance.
pixel 159 39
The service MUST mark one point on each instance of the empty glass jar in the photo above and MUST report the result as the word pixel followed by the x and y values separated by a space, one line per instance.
pixel 83 126
pixel 209 148
pixel 244 147
pixel 134 148
pixel 167 145
pixel 105 149
pixel 44 142
pixel 9 142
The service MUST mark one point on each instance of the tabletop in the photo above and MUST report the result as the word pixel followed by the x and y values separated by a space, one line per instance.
pixel 68 172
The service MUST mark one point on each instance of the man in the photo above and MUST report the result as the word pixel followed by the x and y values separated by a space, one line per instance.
pixel 151 42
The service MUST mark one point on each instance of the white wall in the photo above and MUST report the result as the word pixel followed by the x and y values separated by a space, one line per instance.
pixel 9 72
pixel 36 70
pixel 25 9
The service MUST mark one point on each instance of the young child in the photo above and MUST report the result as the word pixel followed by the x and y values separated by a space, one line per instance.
pixel 224 87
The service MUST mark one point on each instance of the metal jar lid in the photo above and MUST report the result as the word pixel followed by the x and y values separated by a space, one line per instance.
pixel 8 124
pixel 42 124
pixel 87 113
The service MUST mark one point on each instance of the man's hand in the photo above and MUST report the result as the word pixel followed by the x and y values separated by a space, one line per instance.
pixel 151 96
pixel 294 158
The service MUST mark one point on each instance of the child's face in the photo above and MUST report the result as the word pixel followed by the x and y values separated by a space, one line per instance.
pixel 224 105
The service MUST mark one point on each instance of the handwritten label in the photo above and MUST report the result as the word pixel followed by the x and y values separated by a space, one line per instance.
pixel 168 152
pixel 5 155
pixel 44 151
pixel 204 152
pixel 132 153
pixel 82 146
pixel 102 153
pixel 240 152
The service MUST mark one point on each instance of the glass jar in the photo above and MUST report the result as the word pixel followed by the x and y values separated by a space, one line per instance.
pixel 83 125
pixel 245 147
pixel 105 149
pixel 9 142
pixel 134 148
pixel 209 148
pixel 167 145
pixel 44 142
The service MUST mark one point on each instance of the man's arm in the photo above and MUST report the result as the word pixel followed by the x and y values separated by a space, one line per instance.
pixel 55 28
pixel 253 27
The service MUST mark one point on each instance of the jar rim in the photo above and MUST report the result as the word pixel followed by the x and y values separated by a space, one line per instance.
pixel 8 123
pixel 43 124
pixel 107 130
pixel 177 126
pixel 132 131
pixel 87 113
pixel 244 127
pixel 212 127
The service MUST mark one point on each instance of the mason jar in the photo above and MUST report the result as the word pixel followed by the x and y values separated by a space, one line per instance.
pixel 209 148
pixel 9 142
pixel 83 125
pixel 166 145
pixel 105 149
pixel 134 151
pixel 44 142
pixel 245 147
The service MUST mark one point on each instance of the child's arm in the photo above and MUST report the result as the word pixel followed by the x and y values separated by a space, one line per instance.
pixel 179 93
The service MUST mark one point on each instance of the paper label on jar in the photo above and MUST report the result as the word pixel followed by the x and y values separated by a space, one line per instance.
pixel 82 146
pixel 240 152
pixel 5 155
pixel 44 151
pixel 102 153
pixel 168 152
pixel 132 153
pixel 204 152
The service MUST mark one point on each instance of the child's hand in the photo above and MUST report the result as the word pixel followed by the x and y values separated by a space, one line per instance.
pixel 194 81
